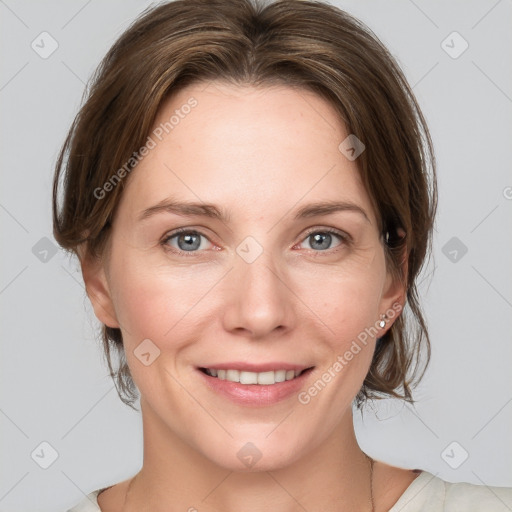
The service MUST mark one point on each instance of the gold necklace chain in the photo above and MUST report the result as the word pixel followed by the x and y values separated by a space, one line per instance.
pixel 370 460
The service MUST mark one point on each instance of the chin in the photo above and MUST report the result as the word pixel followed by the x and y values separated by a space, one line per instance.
pixel 252 455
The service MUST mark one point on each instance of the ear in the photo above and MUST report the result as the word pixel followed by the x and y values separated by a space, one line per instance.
pixel 395 290
pixel 98 290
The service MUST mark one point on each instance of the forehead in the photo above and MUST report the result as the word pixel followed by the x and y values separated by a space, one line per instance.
pixel 255 148
pixel 240 114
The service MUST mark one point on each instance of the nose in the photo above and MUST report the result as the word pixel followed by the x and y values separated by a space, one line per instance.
pixel 259 301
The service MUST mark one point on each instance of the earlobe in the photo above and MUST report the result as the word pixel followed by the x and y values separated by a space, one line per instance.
pixel 98 291
pixel 392 304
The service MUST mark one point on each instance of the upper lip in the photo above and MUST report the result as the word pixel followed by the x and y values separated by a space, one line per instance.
pixel 257 368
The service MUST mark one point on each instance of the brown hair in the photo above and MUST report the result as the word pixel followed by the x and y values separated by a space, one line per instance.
pixel 298 43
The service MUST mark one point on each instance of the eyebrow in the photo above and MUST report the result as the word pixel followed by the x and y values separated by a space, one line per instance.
pixel 189 209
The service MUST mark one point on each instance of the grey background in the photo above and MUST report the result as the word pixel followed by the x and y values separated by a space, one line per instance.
pixel 54 384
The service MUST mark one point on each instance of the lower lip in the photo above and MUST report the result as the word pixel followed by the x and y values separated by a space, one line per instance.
pixel 256 395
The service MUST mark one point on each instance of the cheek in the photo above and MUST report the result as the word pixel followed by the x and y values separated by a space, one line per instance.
pixel 155 306
pixel 142 305
pixel 166 301
pixel 159 301
pixel 346 302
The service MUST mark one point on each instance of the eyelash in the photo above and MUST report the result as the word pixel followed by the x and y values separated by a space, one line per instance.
pixel 345 238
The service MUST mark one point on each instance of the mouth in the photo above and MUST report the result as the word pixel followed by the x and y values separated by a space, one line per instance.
pixel 265 378
pixel 252 384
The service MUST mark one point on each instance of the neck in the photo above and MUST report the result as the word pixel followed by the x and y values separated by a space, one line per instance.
pixel 333 475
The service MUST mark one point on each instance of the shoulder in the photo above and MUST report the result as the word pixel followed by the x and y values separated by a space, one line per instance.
pixel 466 496
pixel 432 494
pixel 88 504
pixel 111 498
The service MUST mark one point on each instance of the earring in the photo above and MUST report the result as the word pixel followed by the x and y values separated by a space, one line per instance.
pixel 382 322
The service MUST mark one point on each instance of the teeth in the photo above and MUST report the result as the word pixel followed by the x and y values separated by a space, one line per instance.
pixel 233 375
pixel 262 378
pixel 249 377
pixel 280 375
pixel 266 378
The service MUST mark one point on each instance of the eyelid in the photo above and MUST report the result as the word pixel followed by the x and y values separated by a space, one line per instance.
pixel 344 236
pixel 346 239
pixel 176 232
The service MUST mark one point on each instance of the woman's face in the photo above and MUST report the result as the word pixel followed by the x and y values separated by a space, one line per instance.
pixel 261 278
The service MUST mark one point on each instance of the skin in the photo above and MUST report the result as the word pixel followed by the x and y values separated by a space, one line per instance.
pixel 259 153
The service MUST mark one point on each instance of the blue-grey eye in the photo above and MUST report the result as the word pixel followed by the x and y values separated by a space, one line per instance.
pixel 322 240
pixel 187 241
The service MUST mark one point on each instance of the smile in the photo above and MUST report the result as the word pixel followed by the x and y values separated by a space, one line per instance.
pixel 245 377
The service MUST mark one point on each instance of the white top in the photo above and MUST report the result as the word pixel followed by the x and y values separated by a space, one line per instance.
pixel 426 493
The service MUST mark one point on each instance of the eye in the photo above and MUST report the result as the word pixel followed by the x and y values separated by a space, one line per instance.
pixel 185 241
pixel 321 240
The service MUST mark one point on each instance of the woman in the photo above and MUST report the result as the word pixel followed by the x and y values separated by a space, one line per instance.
pixel 251 193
